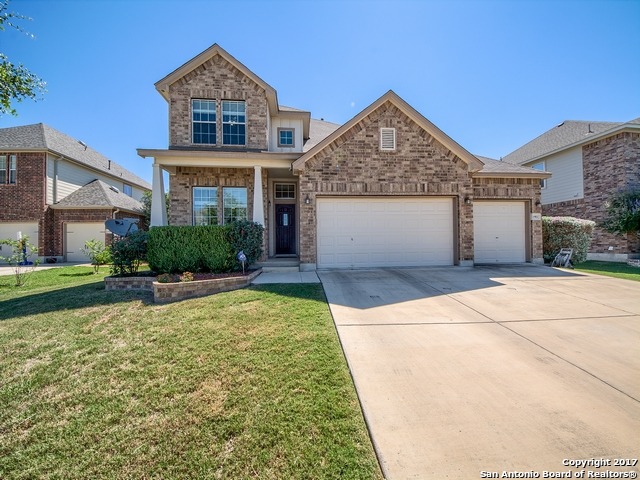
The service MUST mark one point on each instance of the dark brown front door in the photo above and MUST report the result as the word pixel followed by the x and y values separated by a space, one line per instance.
pixel 285 229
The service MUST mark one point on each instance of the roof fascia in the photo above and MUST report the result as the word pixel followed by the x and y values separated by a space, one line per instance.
pixel 473 162
pixel 539 175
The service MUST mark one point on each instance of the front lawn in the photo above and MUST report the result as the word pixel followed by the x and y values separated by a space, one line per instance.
pixel 610 269
pixel 244 384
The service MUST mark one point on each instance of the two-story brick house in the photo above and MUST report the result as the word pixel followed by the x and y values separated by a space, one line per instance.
pixel 59 192
pixel 387 188
pixel 589 161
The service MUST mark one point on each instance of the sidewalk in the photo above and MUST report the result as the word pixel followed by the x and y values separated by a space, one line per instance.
pixel 286 277
pixel 7 270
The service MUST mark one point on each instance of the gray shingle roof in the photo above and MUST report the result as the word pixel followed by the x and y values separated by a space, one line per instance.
pixel 42 137
pixel 97 194
pixel 500 167
pixel 567 133
pixel 318 131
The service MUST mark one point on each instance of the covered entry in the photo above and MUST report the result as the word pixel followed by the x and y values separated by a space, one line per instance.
pixel 358 232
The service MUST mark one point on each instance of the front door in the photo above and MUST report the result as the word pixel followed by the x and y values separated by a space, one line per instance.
pixel 285 229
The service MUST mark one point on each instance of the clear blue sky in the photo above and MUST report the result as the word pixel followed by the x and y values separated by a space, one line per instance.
pixel 491 74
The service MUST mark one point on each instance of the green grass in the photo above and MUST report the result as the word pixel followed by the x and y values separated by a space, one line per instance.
pixel 610 269
pixel 243 384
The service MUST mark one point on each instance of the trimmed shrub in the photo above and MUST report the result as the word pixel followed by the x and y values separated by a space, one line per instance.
pixel 623 212
pixel 128 252
pixel 203 248
pixel 246 236
pixel 177 249
pixel 566 232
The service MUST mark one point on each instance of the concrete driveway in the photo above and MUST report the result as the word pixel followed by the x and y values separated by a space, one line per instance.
pixel 467 372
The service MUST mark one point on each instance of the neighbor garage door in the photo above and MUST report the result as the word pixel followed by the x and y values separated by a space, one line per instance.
pixel 10 231
pixel 383 232
pixel 499 232
pixel 76 234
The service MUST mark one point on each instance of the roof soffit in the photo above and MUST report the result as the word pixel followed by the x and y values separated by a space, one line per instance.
pixel 163 85
pixel 473 163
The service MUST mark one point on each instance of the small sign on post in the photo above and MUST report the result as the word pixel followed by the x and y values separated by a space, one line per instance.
pixel 242 258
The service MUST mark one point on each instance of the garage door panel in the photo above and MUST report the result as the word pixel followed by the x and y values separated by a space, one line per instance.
pixel 77 234
pixel 499 232
pixel 9 231
pixel 366 232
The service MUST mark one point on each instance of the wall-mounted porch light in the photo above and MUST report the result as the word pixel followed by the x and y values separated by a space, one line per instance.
pixel 307 200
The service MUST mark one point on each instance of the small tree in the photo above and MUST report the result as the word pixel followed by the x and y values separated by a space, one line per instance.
pixel 19 259
pixel 98 253
pixel 128 253
pixel 623 212
pixel 146 206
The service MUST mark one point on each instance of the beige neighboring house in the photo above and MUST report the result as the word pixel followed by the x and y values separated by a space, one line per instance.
pixel 59 191
pixel 387 188
pixel 588 161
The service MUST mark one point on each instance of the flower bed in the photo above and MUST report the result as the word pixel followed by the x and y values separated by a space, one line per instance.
pixel 204 284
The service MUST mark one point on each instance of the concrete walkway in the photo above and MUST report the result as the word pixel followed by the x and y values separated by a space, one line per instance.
pixel 286 277
pixel 465 372
pixel 7 270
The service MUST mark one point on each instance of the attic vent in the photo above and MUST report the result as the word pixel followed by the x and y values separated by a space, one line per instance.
pixel 114 189
pixel 387 139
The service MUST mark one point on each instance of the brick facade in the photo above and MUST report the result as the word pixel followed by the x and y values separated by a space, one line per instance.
pixel 24 201
pixel 420 166
pixel 217 79
pixel 610 164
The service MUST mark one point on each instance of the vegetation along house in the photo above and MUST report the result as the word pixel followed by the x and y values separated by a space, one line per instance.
pixel 387 188
pixel 589 161
pixel 59 192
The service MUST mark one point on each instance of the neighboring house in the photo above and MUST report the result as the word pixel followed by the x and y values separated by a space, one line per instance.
pixel 588 161
pixel 388 188
pixel 59 192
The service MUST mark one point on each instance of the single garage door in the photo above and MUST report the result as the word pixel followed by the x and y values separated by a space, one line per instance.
pixel 77 234
pixel 499 232
pixel 10 231
pixel 358 232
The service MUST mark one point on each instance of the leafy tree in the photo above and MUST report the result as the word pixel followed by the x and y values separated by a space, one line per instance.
pixel 97 252
pixel 623 212
pixel 146 206
pixel 19 259
pixel 16 81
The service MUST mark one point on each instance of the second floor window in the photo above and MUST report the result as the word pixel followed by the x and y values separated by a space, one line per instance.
pixel 233 123
pixel 204 121
pixel 127 189
pixel 8 169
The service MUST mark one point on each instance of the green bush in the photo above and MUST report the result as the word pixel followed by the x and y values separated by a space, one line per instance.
pixel 128 252
pixel 203 248
pixel 566 232
pixel 623 212
pixel 97 253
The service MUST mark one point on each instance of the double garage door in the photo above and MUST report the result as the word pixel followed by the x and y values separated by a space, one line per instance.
pixel 358 232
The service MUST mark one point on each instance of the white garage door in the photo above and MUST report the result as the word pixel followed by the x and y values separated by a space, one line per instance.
pixel 10 231
pixel 76 234
pixel 499 232
pixel 384 232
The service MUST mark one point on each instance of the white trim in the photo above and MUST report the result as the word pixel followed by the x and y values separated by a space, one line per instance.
pixel 258 202
pixel 158 203
pixel 387 139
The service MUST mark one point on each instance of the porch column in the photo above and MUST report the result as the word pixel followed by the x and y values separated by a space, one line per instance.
pixel 158 204
pixel 258 204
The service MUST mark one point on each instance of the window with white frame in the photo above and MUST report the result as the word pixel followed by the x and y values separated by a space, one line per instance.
pixel 127 189
pixel 205 205
pixel 234 204
pixel 203 121
pixel 540 166
pixel 285 191
pixel 387 139
pixel 286 137
pixel 233 122
pixel 8 168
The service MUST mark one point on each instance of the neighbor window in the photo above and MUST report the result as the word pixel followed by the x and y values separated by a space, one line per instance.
pixel 203 115
pixel 285 191
pixel 540 166
pixel 127 190
pixel 205 205
pixel 233 123
pixel 285 137
pixel 387 139
pixel 234 203
pixel 8 169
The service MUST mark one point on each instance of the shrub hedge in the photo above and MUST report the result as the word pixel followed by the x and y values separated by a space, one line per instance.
pixel 211 248
pixel 566 232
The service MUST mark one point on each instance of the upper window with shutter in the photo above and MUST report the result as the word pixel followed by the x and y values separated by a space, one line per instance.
pixel 387 139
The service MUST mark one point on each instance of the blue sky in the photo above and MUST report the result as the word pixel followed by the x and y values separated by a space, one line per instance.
pixel 491 74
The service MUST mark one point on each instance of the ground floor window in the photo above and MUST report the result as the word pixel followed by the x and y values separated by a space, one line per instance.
pixel 234 203
pixel 205 206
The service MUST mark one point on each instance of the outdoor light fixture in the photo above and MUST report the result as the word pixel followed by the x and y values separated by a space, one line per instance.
pixel 538 203
pixel 467 201
pixel 307 200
